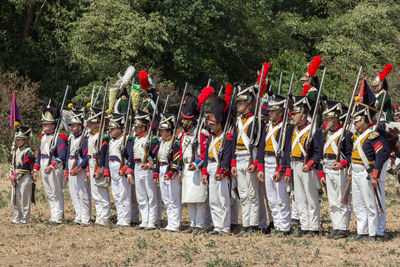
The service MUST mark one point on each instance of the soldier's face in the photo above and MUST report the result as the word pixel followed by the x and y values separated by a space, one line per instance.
pixel 297 118
pixel 20 142
pixel 241 106
pixel 214 127
pixel 275 115
pixel 48 128
pixel 358 125
pixel 165 134
pixel 186 123
pixel 139 130
pixel 75 129
pixel 376 89
pixel 93 126
pixel 115 132
pixel 331 123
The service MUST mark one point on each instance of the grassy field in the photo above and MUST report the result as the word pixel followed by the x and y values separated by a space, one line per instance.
pixel 65 244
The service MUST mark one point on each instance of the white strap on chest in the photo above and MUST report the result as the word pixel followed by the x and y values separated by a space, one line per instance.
pixel 298 136
pixel 242 131
pixel 331 141
pixel 357 144
pixel 271 135
pixel 212 146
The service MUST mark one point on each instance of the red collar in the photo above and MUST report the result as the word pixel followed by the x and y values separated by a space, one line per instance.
pixel 141 135
pixel 218 134
pixel 248 115
pixel 369 126
pixel 277 122
pixel 302 127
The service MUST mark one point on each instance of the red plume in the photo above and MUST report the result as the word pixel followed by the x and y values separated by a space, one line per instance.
pixel 263 83
pixel 143 79
pixel 205 94
pixel 312 69
pixel 306 88
pixel 228 96
pixel 386 70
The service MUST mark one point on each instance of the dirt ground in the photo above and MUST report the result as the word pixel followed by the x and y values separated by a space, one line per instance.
pixel 65 245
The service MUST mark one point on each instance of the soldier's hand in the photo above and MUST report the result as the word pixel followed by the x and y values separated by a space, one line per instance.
pixel 277 177
pixel 349 178
pixel 156 180
pixel 251 169
pixel 234 171
pixel 66 177
pixel 180 177
pixel 48 170
pixel 145 167
pixel 121 173
pixel 192 167
pixel 107 179
pixel 166 177
pixel 322 181
pixel 337 166
pixel 204 179
pixel 218 177
pixel 35 176
pixel 374 182
pixel 306 168
pixel 129 179
pixel 13 179
pixel 287 179
pixel 260 176
pixel 88 176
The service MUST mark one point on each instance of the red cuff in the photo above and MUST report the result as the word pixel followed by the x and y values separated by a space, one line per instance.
pixel 288 172
pixel 87 169
pixel 98 170
pixel 66 173
pixel 36 167
pixel 170 174
pixel 128 171
pixel 220 171
pixel 255 163
pixel 260 167
pixel 321 174
pixel 106 172
pixel 204 171
pixel 280 169
pixel 155 175
pixel 375 174
pixel 53 164
pixel 310 164
pixel 150 163
pixel 343 163
pixel 233 163
pixel 75 169
pixel 124 168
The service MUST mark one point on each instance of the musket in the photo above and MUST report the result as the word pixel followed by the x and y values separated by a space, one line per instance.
pixel 149 134
pixel 313 120
pixel 53 141
pixel 225 132
pixel 280 83
pixel 101 128
pixel 92 95
pixel 195 143
pixel 220 90
pixel 84 131
pixel 256 109
pixel 126 129
pixel 284 122
pixel 334 96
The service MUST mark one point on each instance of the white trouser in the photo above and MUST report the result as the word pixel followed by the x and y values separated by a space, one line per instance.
pixel 101 197
pixel 53 184
pixel 79 191
pixel 197 214
pixel 219 197
pixel 121 191
pixel 382 197
pixel 278 198
pixel 134 205
pixel 364 203
pixel 171 196
pixel 248 191
pixel 306 195
pixel 262 214
pixel 146 196
pixel 335 185
pixel 234 201
pixel 23 194
pixel 295 211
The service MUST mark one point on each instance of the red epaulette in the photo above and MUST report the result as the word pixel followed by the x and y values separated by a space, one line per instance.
pixel 63 137
pixel 40 137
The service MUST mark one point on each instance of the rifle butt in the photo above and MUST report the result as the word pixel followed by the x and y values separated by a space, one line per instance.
pixel 346 193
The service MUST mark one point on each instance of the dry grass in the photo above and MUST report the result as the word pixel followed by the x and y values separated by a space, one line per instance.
pixel 40 244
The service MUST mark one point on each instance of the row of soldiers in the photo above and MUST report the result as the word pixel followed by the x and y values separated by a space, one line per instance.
pixel 241 151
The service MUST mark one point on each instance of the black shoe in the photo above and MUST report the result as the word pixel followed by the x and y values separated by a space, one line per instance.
pixel 266 230
pixel 372 238
pixel 295 222
pixel 285 233
pixel 140 228
pixel 332 233
pixel 243 231
pixel 301 233
pixel 312 233
pixel 133 224
pixel 359 237
pixel 188 230
pixel 215 233
pixel 235 228
pixel 340 234
pixel 196 230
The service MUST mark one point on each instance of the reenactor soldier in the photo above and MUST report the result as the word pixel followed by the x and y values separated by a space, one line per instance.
pixel 50 160
pixel 75 168
pixel 114 162
pixel 141 158
pixel 219 189
pixel 166 172
pixel 303 173
pixel 335 172
pixel 98 184
pixel 369 162
pixel 194 191
pixel 276 188
pixel 20 176
pixel 380 86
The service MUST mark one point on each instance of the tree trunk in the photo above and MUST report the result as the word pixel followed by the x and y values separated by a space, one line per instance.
pixel 28 22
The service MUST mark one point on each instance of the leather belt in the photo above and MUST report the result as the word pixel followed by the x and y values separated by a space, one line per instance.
pixel 44 156
pixel 212 160
pixel 71 157
pixel 330 156
pixel 137 161
pixel 297 158
pixel 163 163
pixel 114 158
pixel 187 160
pixel 270 154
